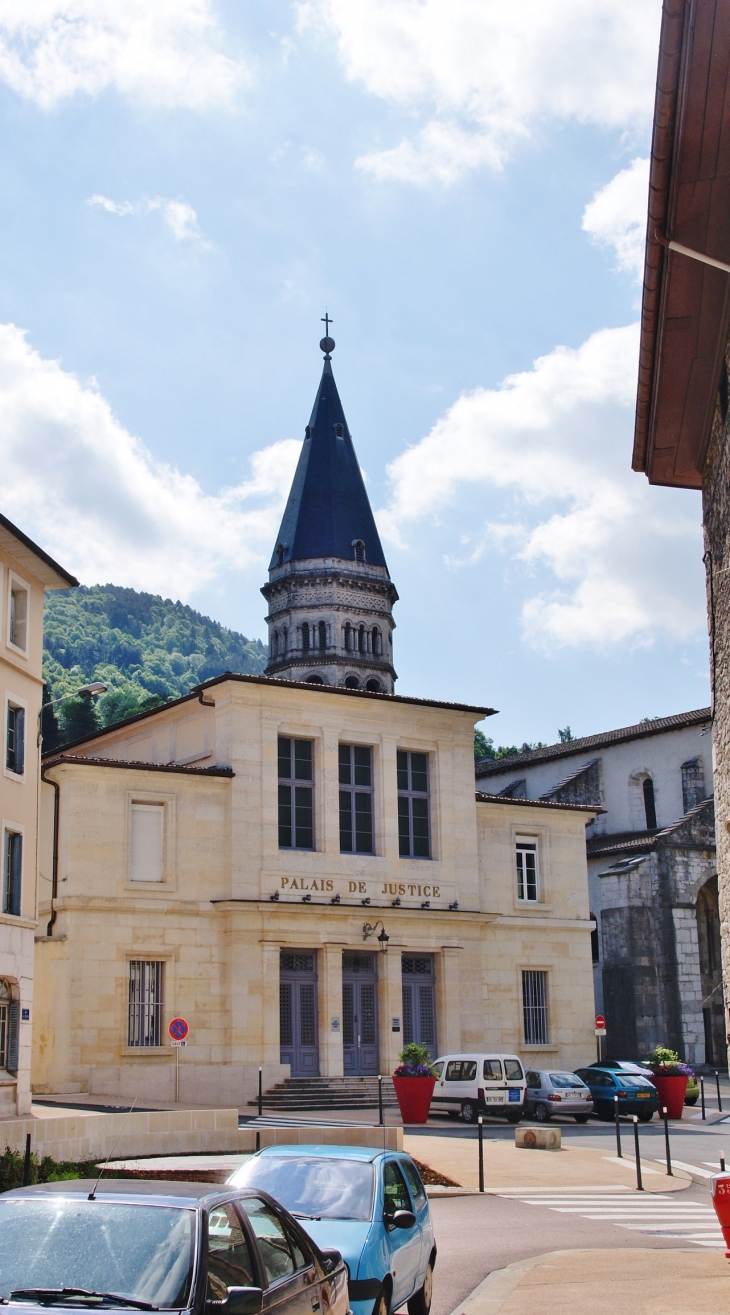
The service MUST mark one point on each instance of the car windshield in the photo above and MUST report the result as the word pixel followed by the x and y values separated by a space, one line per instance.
pixel 565 1080
pixel 325 1188
pixel 628 1080
pixel 140 1252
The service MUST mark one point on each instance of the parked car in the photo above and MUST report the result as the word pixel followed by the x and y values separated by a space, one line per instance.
pixel 691 1095
pixel 479 1084
pixel 548 1092
pixel 371 1205
pixel 161 1246
pixel 636 1094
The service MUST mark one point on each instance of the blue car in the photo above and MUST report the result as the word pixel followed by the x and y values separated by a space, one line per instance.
pixel 636 1094
pixel 370 1205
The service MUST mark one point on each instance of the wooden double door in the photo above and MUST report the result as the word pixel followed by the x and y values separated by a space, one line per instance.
pixel 298 1039
pixel 359 1014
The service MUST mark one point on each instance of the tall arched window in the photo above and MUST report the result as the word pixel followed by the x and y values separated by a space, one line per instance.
pixel 377 642
pixel 362 639
pixel 284 636
pixel 649 803
pixel 275 644
pixel 280 554
pixel 305 636
pixel 322 635
pixel 359 549
pixel 348 636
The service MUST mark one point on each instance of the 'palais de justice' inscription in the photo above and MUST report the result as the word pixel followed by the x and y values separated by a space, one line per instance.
pixel 326 885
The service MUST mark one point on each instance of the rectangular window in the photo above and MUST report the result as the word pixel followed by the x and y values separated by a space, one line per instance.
pixel 18 618
pixel 147 842
pixel 356 799
pixel 526 856
pixel 414 840
pixel 145 1002
pixel 296 794
pixel 12 872
pixel 15 740
pixel 534 1007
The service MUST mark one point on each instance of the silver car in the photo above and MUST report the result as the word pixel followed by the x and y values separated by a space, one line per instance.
pixel 548 1092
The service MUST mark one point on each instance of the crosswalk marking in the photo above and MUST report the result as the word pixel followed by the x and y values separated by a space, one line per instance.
pixel 690 1168
pixel 654 1215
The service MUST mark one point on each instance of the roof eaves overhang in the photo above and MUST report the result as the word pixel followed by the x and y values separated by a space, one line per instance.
pixel 686 303
pixel 34 559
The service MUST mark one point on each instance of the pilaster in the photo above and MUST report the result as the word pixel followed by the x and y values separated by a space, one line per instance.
pixel 330 1011
pixel 390 1007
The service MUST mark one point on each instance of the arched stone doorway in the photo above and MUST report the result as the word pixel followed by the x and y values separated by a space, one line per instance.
pixel 708 935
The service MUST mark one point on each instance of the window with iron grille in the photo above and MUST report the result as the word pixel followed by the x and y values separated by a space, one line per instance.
pixel 526 858
pixel 356 799
pixel 146 978
pixel 414 839
pixel 15 740
pixel 534 1007
pixel 296 794
pixel 12 872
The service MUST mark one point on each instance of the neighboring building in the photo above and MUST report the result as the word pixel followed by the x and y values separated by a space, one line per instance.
pixel 26 571
pixel 652 875
pixel 682 435
pixel 243 855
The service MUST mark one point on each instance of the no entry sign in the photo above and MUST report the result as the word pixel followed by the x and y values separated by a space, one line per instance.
pixel 600 1021
pixel 178 1029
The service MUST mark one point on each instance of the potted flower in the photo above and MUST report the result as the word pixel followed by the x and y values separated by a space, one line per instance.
pixel 670 1079
pixel 414 1081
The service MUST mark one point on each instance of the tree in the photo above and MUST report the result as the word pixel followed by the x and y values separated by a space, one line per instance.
pixel 566 735
pixel 78 718
pixel 483 747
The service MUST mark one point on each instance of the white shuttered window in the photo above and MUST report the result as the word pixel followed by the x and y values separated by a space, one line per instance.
pixel 147 842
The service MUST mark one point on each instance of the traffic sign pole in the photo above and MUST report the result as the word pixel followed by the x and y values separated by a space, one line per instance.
pixel 178 1030
pixel 600 1032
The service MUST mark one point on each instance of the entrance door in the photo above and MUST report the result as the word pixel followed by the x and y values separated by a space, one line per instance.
pixel 359 1013
pixel 298 1013
pixel 419 1001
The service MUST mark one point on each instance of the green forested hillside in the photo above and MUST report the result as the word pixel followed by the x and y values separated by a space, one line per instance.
pixel 145 648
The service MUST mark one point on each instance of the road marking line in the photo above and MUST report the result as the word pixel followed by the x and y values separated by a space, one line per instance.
pixel 690 1168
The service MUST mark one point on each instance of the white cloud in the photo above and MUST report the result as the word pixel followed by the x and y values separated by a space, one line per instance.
pixel 161 52
pixel 484 74
pixel 622 559
pixel 95 498
pixel 179 216
pixel 616 217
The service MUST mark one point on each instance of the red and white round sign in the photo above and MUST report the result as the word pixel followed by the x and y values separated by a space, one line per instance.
pixel 600 1021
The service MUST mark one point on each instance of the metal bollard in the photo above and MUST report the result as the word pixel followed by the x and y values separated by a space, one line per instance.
pixel 639 1184
pixel 619 1152
pixel 666 1142
pixel 481 1154
pixel 722 1164
pixel 380 1099
pixel 26 1166
pixel 719 1097
pixel 702 1097
pixel 261 1093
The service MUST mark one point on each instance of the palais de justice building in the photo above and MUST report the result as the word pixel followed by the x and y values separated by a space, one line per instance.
pixel 298 863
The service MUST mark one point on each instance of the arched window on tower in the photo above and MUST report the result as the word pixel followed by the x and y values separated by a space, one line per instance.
pixel 348 636
pixel 305 636
pixel 339 431
pixel 649 803
pixel 275 644
pixel 359 550
pixel 377 642
pixel 322 635
pixel 373 686
pixel 284 637
pixel 280 550
pixel 362 640
pixel 352 682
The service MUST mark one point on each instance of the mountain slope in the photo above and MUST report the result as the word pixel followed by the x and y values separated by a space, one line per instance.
pixel 145 648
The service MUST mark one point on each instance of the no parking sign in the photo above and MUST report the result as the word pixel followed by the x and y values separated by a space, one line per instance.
pixel 178 1030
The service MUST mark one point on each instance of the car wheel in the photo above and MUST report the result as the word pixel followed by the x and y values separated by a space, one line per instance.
pixel 646 1116
pixel 604 1111
pixel 692 1100
pixel 581 1118
pixel 420 1302
pixel 468 1111
pixel 382 1302
pixel 514 1116
pixel 542 1113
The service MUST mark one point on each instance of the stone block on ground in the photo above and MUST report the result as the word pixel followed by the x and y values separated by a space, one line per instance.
pixel 538 1139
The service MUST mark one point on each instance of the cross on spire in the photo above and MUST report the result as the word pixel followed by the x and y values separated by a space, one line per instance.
pixel 326 322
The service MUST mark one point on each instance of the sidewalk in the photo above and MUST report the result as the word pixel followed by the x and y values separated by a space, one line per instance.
pixel 506 1166
pixel 640 1281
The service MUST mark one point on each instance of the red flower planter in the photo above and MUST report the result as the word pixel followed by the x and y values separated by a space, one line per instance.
pixel 671 1093
pixel 414 1098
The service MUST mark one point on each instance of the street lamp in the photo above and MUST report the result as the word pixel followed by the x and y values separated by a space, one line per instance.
pixel 89 691
pixel 370 930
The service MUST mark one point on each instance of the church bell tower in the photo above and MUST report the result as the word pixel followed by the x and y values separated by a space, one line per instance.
pixel 329 593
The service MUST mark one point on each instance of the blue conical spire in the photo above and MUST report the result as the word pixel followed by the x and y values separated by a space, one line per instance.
pixel 328 509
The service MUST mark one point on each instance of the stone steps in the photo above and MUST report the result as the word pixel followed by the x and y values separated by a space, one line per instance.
pixel 328 1094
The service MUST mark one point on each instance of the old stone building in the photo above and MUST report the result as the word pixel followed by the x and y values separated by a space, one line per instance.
pixel 652 875
pixel 682 433
pixel 301 868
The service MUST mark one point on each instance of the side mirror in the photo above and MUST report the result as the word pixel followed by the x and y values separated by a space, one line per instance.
pixel 330 1260
pixel 402 1219
pixel 240 1301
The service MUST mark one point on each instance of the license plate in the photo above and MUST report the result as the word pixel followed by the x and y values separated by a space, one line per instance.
pixel 514 1093
pixel 495 1100
pixel 643 1095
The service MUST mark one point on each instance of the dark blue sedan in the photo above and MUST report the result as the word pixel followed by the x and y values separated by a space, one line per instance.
pixel 636 1094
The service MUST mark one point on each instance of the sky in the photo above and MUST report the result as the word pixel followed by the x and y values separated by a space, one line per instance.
pixel 187 185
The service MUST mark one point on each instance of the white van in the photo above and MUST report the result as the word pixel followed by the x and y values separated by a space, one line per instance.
pixel 479 1084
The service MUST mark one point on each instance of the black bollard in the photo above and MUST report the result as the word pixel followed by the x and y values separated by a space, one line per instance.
pixel 258 1140
pixel 261 1093
pixel 639 1184
pixel 722 1164
pixel 380 1100
pixel 619 1152
pixel 666 1142
pixel 702 1097
pixel 481 1154
pixel 719 1097
pixel 26 1166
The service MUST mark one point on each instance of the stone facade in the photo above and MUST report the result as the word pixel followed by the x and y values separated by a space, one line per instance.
pixel 233 917
pixel 652 876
